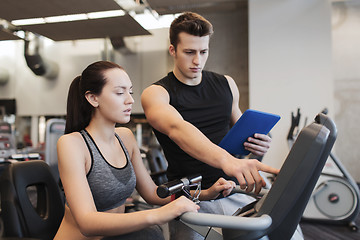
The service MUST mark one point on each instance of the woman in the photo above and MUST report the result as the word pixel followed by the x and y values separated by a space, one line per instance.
pixel 100 165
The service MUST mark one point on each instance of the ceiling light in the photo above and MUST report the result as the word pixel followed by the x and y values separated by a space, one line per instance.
pixel 106 14
pixel 127 4
pixel 20 34
pixel 66 18
pixel 148 20
pixel 29 21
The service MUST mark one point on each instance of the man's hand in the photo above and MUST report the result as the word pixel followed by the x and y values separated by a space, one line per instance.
pixel 247 173
pixel 258 145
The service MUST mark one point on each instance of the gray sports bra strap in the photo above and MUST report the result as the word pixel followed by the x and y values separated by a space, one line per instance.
pixel 123 147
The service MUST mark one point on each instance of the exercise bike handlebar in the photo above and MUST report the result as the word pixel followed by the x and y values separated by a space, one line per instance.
pixel 230 222
pixel 172 187
pixel 213 220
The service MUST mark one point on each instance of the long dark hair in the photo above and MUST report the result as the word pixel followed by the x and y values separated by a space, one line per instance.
pixel 79 110
pixel 191 23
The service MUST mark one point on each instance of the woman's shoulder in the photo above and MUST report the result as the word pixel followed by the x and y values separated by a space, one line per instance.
pixel 71 146
pixel 71 139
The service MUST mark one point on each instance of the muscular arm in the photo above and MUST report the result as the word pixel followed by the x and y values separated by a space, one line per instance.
pixel 166 119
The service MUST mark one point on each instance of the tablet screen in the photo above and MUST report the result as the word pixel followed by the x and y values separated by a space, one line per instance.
pixel 250 122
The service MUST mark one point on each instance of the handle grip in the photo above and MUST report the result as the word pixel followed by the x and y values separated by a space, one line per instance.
pixel 170 188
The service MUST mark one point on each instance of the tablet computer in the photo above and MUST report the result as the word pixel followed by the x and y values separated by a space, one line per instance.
pixel 250 122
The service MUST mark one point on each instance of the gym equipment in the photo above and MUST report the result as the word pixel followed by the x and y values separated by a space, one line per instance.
pixel 25 156
pixel 157 163
pixel 27 214
pixel 184 185
pixel 155 160
pixel 7 141
pixel 277 214
pixel 54 129
pixel 335 198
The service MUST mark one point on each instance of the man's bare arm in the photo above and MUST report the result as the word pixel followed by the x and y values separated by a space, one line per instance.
pixel 166 119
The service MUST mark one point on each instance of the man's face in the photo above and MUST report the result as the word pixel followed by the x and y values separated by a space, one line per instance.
pixel 190 56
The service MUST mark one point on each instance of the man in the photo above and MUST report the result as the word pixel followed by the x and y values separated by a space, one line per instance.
pixel 191 110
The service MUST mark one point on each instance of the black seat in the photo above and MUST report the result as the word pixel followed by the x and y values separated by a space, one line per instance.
pixel 32 205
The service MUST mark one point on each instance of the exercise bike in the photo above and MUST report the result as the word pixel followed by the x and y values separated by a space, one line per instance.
pixel 335 198
pixel 276 214
pixel 209 225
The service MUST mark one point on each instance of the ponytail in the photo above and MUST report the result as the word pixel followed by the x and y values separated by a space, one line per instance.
pixel 78 109
pixel 73 106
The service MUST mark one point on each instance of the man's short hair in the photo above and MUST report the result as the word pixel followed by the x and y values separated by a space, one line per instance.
pixel 191 23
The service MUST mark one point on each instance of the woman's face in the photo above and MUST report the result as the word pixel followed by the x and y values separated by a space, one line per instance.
pixel 115 100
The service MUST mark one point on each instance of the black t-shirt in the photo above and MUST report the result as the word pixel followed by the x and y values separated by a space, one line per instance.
pixel 208 107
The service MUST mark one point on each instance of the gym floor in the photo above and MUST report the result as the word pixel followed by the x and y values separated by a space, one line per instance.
pixel 316 231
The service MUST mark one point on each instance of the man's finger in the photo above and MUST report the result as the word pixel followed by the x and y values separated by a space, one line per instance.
pixel 268 169
pixel 241 181
pixel 260 183
pixel 262 137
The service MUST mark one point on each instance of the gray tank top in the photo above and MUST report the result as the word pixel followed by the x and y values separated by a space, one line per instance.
pixel 110 186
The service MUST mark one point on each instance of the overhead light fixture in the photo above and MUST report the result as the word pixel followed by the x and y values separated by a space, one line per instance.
pixel 106 14
pixel 21 34
pixel 29 21
pixel 128 5
pixel 144 15
pixel 65 18
pixel 69 18
pixel 150 20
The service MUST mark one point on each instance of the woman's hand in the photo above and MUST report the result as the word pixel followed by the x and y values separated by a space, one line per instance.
pixel 176 208
pixel 221 186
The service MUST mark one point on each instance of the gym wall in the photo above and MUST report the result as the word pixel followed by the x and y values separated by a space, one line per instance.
pixel 305 54
pixel 290 63
pixel 346 73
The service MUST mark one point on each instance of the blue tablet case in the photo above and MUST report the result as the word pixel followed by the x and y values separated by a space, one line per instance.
pixel 250 122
